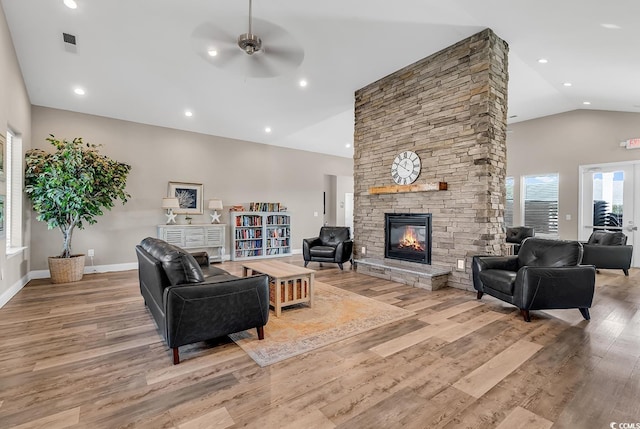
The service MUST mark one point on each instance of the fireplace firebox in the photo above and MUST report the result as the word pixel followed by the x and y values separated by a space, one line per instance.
pixel 407 237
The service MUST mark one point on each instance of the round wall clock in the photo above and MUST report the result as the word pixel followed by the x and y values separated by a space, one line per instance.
pixel 405 168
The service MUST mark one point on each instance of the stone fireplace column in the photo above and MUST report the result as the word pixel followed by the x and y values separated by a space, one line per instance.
pixel 451 109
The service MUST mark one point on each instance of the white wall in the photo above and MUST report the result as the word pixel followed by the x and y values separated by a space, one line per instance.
pixel 236 171
pixel 15 114
pixel 559 144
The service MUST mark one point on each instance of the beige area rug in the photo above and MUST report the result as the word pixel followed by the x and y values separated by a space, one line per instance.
pixel 336 314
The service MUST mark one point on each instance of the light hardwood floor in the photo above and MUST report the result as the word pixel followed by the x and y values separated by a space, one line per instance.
pixel 87 355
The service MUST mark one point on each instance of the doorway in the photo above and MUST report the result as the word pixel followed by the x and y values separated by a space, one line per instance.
pixel 609 200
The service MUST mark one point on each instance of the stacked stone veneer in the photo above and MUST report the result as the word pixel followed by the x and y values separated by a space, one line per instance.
pixel 450 108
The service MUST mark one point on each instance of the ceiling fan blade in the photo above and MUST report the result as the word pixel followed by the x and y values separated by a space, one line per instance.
pixel 211 34
pixel 291 56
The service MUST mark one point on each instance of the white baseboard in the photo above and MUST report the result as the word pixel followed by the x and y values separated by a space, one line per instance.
pixel 43 274
pixel 13 290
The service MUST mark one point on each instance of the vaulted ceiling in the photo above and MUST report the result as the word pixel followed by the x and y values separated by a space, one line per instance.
pixel 147 61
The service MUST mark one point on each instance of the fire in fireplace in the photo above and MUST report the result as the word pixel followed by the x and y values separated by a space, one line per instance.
pixel 408 237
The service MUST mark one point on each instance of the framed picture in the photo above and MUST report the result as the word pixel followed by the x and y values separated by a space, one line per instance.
pixel 189 196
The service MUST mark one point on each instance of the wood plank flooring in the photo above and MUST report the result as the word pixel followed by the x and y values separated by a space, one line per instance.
pixel 88 355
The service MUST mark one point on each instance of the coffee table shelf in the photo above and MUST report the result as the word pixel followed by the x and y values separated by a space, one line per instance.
pixel 288 284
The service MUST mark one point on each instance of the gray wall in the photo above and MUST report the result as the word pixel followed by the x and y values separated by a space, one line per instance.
pixel 560 144
pixel 236 171
pixel 15 114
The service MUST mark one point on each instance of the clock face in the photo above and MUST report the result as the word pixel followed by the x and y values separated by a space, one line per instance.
pixel 405 168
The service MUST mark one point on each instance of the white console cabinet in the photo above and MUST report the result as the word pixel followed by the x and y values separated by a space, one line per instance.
pixel 204 236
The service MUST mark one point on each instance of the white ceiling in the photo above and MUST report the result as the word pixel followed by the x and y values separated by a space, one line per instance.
pixel 143 60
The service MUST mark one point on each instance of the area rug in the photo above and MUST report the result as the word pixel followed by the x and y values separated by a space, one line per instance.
pixel 336 314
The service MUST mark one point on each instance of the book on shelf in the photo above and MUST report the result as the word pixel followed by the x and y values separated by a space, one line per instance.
pixel 264 207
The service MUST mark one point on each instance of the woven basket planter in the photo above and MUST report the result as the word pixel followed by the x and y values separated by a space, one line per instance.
pixel 66 270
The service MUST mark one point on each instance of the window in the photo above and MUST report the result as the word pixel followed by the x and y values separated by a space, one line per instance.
pixel 13 203
pixel 541 204
pixel 508 204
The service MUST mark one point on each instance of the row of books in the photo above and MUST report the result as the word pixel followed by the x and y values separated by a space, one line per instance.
pixel 248 253
pixel 248 220
pixel 253 244
pixel 278 242
pixel 247 234
pixel 277 251
pixel 278 232
pixel 264 207
pixel 278 220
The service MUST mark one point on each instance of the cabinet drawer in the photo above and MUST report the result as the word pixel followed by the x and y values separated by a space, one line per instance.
pixel 215 236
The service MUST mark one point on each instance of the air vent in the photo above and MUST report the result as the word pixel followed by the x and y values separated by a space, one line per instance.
pixel 69 38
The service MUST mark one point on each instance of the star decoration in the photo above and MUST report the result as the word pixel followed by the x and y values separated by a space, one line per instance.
pixel 171 216
pixel 215 217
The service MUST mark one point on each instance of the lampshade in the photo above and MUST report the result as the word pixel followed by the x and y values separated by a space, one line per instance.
pixel 170 203
pixel 215 204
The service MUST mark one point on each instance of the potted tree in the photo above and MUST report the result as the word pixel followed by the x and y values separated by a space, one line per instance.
pixel 70 188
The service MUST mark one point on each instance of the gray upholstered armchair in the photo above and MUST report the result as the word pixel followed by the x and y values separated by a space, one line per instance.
pixel 545 274
pixel 608 250
pixel 333 244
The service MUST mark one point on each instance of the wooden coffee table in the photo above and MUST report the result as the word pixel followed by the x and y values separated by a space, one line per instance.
pixel 288 284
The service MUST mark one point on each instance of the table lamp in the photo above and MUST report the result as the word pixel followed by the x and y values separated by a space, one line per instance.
pixel 170 204
pixel 215 205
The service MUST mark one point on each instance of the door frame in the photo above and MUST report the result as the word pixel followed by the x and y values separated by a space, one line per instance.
pixel 633 236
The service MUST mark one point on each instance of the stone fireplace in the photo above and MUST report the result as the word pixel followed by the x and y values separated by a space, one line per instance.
pixel 407 237
pixel 450 109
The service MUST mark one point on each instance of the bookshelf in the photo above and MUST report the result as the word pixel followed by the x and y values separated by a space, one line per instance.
pixel 260 235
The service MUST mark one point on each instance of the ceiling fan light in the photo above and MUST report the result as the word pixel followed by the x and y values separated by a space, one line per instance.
pixel 250 43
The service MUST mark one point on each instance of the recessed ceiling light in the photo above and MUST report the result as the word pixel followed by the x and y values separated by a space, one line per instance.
pixel 302 83
pixel 71 4
pixel 611 26
pixel 348 145
pixel 567 84
pixel 188 113
pixel 212 52
pixel 267 130
pixel 586 103
pixel 543 61
pixel 79 91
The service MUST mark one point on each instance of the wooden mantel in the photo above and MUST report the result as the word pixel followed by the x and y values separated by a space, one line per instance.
pixel 396 189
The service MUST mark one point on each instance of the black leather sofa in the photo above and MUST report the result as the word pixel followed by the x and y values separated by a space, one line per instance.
pixel 191 305
pixel 333 244
pixel 608 250
pixel 546 274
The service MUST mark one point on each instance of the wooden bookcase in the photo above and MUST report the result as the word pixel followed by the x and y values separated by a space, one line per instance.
pixel 260 235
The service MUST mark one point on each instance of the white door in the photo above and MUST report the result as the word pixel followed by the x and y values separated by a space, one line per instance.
pixel 609 200
pixel 348 211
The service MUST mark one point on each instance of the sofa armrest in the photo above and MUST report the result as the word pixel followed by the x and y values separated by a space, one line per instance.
pixel 555 287
pixel 491 262
pixel 605 256
pixel 215 308
pixel 307 244
pixel 343 251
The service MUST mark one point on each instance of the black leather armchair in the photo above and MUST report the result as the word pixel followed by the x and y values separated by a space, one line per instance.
pixel 516 235
pixel 608 250
pixel 546 274
pixel 333 244
pixel 190 305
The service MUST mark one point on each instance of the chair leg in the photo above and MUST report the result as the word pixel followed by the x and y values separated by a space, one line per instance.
pixel 306 263
pixel 479 295
pixel 525 315
pixel 260 330
pixel 585 313
pixel 626 272
pixel 176 356
pixel 340 265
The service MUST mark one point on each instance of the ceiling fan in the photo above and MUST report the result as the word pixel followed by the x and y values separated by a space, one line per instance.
pixel 247 54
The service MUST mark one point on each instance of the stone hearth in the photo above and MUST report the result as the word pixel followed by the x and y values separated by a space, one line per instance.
pixel 450 108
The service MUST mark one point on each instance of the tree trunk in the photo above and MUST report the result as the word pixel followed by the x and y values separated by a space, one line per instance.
pixel 67 234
